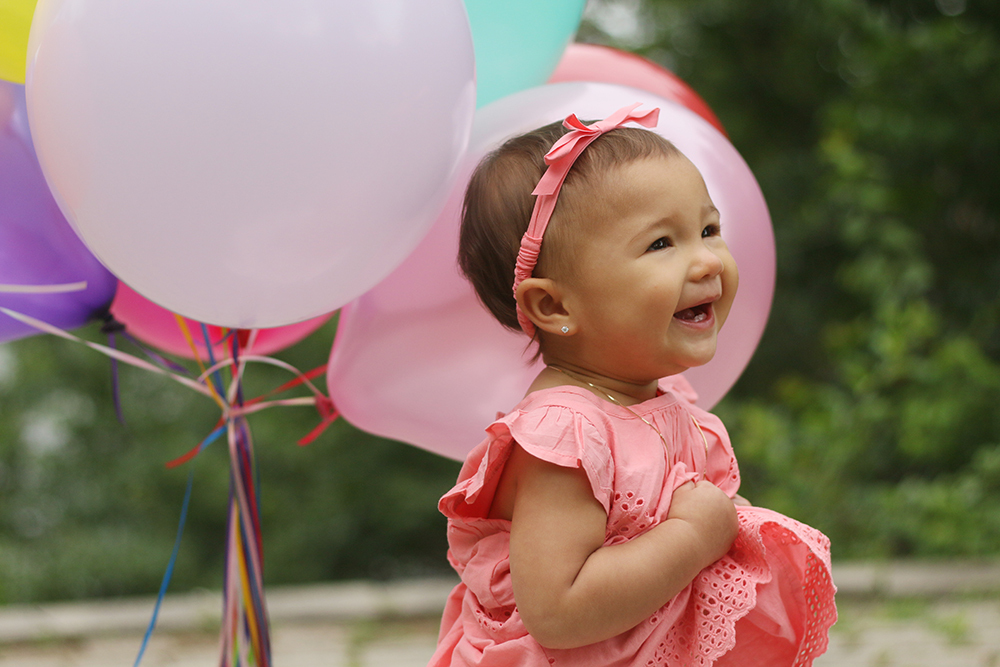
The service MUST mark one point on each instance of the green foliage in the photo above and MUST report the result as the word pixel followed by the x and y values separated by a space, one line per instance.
pixel 870 409
pixel 87 507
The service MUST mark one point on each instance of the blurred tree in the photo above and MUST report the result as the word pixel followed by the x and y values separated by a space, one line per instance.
pixel 88 509
pixel 868 411
pixel 870 407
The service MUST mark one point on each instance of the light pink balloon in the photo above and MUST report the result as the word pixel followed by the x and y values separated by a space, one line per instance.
pixel 418 359
pixel 158 327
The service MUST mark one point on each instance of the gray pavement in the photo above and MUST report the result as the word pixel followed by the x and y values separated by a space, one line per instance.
pixel 891 615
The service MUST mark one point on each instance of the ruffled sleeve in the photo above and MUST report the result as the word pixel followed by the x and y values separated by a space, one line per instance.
pixel 554 433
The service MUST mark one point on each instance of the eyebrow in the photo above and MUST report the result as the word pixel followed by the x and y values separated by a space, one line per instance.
pixel 706 209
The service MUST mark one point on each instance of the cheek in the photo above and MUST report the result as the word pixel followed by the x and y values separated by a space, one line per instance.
pixel 730 285
pixel 731 276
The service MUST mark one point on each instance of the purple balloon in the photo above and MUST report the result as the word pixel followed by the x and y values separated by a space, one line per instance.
pixel 37 244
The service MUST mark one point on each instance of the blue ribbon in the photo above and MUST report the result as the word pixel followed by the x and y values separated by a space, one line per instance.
pixel 212 437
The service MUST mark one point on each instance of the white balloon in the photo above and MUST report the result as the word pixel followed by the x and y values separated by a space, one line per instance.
pixel 252 163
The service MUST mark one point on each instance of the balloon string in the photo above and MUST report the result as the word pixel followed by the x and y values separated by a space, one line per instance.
pixel 330 416
pixel 107 351
pixel 248 602
pixel 115 388
pixel 245 483
pixel 156 358
pixel 168 575
pixel 230 609
pixel 197 357
pixel 328 411
pixel 291 384
pixel 215 377
pixel 258 407
pixel 246 629
pixel 181 460
pixel 325 406
pixel 246 547
pixel 301 378
pixel 242 453
pixel 186 333
pixel 110 326
pixel 238 367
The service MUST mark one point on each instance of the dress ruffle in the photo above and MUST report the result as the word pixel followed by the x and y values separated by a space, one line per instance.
pixel 748 594
pixel 767 603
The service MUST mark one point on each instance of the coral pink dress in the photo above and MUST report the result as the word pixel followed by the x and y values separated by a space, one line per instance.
pixel 768 603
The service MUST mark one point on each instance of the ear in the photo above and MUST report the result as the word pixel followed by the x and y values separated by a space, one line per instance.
pixel 541 300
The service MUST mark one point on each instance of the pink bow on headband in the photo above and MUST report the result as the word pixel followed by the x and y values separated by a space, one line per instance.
pixel 560 159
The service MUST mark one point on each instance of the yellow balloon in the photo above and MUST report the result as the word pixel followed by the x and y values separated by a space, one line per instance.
pixel 15 20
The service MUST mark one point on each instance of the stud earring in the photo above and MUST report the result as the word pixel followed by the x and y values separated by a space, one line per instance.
pixel 565 329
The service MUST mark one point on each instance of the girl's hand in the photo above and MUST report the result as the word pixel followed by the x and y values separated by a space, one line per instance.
pixel 740 501
pixel 710 512
pixel 570 589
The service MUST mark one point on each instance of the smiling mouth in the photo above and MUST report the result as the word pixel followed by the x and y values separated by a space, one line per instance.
pixel 695 314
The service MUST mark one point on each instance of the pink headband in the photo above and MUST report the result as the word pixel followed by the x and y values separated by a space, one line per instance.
pixel 560 159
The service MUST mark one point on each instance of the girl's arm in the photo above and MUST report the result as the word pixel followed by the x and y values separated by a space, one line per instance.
pixel 572 591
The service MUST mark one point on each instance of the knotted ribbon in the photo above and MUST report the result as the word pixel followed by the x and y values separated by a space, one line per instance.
pixel 560 160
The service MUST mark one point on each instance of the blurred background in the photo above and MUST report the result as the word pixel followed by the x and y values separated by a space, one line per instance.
pixel 868 411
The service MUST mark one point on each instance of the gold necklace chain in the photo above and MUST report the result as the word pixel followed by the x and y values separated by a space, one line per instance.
pixel 607 394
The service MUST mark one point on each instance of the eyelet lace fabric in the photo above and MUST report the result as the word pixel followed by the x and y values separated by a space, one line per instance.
pixel 768 603
pixel 726 593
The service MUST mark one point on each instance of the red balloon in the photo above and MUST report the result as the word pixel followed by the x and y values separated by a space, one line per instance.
pixel 158 327
pixel 603 64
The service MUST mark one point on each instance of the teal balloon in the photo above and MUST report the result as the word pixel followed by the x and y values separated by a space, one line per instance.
pixel 518 43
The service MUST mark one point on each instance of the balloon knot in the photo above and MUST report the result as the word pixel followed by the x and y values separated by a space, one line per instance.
pixel 328 411
pixel 326 408
pixel 243 336
pixel 110 325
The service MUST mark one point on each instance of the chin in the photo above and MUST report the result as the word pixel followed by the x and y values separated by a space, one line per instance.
pixel 700 359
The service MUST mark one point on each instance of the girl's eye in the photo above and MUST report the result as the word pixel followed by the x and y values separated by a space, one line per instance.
pixel 660 243
pixel 711 230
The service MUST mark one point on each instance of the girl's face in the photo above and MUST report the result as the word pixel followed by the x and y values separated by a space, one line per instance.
pixel 654 281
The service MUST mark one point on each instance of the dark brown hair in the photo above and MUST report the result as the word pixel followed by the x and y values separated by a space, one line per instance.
pixel 498 205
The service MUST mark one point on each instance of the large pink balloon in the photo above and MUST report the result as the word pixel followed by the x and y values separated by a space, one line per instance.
pixel 158 327
pixel 256 163
pixel 418 359
pixel 604 64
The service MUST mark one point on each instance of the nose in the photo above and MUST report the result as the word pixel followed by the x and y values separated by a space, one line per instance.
pixel 706 264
